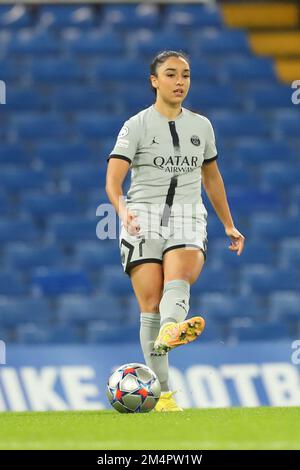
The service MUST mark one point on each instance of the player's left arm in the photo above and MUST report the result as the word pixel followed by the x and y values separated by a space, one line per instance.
pixel 214 187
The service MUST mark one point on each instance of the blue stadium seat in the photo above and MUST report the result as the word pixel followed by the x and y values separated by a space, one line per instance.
pixel 249 201
pixel 11 284
pixel 98 332
pixel 64 333
pixel 280 175
pixel 23 257
pixel 57 154
pixel 4 132
pixel 135 103
pixel 16 311
pixel 213 280
pixel 193 16
pixel 213 332
pixel 295 199
pixel 97 255
pixel 116 282
pixel 147 43
pixel 18 178
pixel 269 97
pixel 248 68
pixel 21 230
pixel 255 252
pixel 132 16
pixel 220 42
pixel 94 42
pixel 84 176
pixel 40 126
pixel 215 228
pixel 14 16
pixel 13 154
pixel 210 96
pixel 263 279
pixel 55 281
pixel 5 205
pixel 30 333
pixel 267 332
pixel 59 16
pixel 71 229
pixel 95 125
pixel 224 306
pixel 10 69
pixel 286 123
pixel 290 252
pixel 80 98
pixel 42 205
pixel 285 305
pixel 258 151
pixel 266 226
pixel 111 70
pixel 78 309
pixel 229 124
pixel 32 42
pixel 24 100
pixel 55 71
pixel 94 198
pixel 235 176
pixel 203 71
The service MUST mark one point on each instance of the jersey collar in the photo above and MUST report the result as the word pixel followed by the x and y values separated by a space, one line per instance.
pixel 180 116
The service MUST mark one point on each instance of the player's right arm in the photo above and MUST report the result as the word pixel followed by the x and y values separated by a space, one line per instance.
pixel 117 170
pixel 119 161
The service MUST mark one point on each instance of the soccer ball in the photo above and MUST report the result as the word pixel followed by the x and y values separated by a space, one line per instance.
pixel 133 388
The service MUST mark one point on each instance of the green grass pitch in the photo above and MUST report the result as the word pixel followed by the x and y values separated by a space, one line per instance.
pixel 231 428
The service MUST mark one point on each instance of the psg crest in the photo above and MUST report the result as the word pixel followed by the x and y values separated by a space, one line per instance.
pixel 195 140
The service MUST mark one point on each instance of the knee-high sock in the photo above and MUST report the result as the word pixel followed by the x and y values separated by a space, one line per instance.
pixel 174 304
pixel 150 325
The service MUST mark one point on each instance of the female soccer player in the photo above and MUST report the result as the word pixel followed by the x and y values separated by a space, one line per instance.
pixel 163 236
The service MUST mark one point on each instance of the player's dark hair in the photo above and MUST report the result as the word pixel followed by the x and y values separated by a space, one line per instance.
pixel 160 58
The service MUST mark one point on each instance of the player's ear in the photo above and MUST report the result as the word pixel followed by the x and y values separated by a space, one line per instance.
pixel 154 81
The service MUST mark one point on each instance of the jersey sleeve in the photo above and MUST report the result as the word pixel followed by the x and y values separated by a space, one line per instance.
pixel 210 150
pixel 127 142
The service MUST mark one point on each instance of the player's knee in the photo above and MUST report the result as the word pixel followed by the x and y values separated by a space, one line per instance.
pixel 187 275
pixel 150 303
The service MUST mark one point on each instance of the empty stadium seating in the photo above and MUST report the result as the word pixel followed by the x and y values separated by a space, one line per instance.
pixel 76 73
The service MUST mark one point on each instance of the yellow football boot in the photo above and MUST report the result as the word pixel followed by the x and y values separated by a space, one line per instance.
pixel 172 335
pixel 167 402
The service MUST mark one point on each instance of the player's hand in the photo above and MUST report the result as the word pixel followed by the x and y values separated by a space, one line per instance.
pixel 237 240
pixel 130 222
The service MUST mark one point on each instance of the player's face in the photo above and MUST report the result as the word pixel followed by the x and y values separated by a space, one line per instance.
pixel 173 80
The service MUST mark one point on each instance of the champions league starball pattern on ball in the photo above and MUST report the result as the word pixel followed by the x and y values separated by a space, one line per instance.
pixel 133 388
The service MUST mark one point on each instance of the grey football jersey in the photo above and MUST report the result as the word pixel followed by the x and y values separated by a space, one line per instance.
pixel 165 156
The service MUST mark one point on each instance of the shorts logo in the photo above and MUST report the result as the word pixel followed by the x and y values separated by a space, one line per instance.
pixel 195 140
pixel 123 132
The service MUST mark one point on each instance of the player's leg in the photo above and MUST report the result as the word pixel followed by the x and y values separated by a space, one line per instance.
pixel 183 260
pixel 147 282
pixel 181 269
